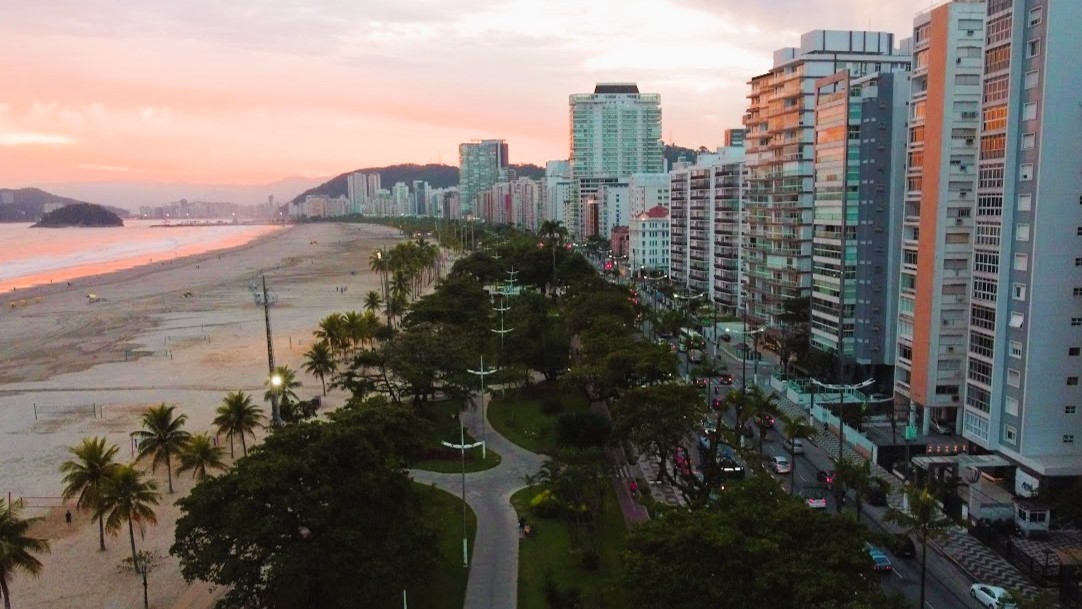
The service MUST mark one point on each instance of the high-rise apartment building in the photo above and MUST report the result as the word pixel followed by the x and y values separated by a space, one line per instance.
pixel 646 191
pixel 615 132
pixel 734 138
pixel 706 201
pixel 648 240
pixel 1024 344
pixel 556 191
pixel 779 143
pixel 860 136
pixel 357 192
pixel 479 167
pixel 937 227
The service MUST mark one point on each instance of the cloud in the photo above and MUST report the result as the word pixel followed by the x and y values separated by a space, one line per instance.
pixel 29 138
pixel 109 168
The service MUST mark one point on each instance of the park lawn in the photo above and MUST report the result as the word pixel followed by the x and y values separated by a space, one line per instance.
pixel 517 416
pixel 549 549
pixel 445 586
pixel 441 415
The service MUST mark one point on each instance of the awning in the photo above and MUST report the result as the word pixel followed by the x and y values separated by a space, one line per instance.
pixel 962 461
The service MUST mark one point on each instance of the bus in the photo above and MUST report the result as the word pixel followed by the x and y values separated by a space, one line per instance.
pixel 692 339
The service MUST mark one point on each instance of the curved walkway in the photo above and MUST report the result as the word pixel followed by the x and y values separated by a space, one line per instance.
pixel 493 579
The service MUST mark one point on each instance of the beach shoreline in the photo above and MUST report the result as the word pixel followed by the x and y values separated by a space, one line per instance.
pixel 70 369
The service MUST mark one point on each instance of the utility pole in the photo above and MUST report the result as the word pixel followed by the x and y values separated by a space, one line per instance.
pixel 481 373
pixel 276 417
pixel 502 309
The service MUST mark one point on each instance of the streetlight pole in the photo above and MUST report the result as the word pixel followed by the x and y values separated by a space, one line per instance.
pixel 484 446
pixel 276 417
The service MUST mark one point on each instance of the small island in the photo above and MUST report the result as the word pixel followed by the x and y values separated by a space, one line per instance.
pixel 79 215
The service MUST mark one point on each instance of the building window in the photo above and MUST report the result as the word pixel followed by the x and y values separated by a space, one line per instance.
pixel 1029 141
pixel 1033 49
pixel 1017 319
pixel 1068 438
pixel 1070 409
pixel 1074 351
pixel 1029 111
pixel 1011 406
pixel 1025 202
pixel 1018 291
pixel 1076 321
pixel 1078 261
pixel 1021 232
pixel 1077 292
pixel 1021 262
pixel 1072 381
pixel 1035 15
pixel 1025 172
pixel 1016 349
pixel 1014 377
pixel 1033 78
pixel 1009 433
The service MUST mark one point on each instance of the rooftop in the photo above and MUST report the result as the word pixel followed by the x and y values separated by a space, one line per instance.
pixel 616 87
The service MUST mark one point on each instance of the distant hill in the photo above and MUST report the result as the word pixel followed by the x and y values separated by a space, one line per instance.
pixel 437 176
pixel 673 153
pixel 82 215
pixel 28 204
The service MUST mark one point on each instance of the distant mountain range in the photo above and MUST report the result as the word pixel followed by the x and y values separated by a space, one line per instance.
pixel 28 204
pixel 437 176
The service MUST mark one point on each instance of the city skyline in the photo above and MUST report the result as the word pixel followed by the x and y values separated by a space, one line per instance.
pixel 248 94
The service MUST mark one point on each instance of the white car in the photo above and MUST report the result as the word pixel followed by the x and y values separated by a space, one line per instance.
pixel 781 465
pixel 794 445
pixel 990 596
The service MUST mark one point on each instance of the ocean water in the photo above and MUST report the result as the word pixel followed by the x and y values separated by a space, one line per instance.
pixel 35 256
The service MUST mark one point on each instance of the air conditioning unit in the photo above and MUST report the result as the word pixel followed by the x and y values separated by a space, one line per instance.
pixel 950 349
pixel 969 141
pixel 958 221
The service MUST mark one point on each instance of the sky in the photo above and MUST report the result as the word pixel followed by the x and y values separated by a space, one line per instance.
pixel 253 91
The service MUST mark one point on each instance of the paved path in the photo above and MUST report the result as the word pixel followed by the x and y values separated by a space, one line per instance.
pixel 493 578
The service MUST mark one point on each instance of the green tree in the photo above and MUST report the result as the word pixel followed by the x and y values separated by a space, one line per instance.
pixel 17 548
pixel 856 476
pixel 319 362
pixel 286 391
pixel 87 473
pixel 381 264
pixel 238 417
pixel 332 332
pixel 795 428
pixel 743 556
pixel 199 455
pixel 128 497
pixel 923 519
pixel 161 437
pixel 283 505
pixel 373 301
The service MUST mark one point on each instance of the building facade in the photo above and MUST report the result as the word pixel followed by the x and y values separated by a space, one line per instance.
pixel 614 132
pixel 860 136
pixel 648 240
pixel 779 143
pixel 937 228
pixel 480 164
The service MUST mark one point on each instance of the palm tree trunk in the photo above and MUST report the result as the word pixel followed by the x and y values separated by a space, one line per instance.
pixel 169 470
pixel 231 456
pixel 244 444
pixel 101 531
pixel 131 536
pixel 5 593
pixel 923 566
pixel 324 382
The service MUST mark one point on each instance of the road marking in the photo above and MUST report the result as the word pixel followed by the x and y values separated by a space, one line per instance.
pixel 895 571
pixel 929 605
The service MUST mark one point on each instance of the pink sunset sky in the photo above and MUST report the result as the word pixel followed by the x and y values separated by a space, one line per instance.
pixel 250 91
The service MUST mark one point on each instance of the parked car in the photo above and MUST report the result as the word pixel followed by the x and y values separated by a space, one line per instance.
pixel 902 545
pixel 990 596
pixel 815 496
pixel 877 496
pixel 781 465
pixel 880 561
pixel 725 378
pixel 794 445
pixel 826 477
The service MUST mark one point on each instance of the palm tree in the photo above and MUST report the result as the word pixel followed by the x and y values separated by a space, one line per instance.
pixel 17 549
pixel 761 404
pixel 161 437
pixel 356 329
pixel 85 475
pixel 332 331
pixel 237 416
pixel 286 391
pixel 795 427
pixel 923 519
pixel 199 455
pixel 319 362
pixel 380 263
pixel 372 301
pixel 129 496
pixel 856 475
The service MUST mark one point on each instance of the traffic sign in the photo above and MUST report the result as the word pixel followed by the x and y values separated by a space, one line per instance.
pixel 910 432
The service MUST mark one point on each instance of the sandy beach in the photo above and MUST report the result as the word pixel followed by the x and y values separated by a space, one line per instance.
pixel 71 369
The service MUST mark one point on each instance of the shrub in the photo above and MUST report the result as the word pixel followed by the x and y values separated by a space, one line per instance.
pixel 591 560
pixel 552 405
pixel 582 429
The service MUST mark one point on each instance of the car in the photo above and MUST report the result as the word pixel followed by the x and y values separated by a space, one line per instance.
pixel 990 596
pixel 741 346
pixel 880 561
pixel 877 496
pixel 702 381
pixel 815 497
pixel 664 333
pixel 945 428
pixel 902 545
pixel 716 403
pixel 766 421
pixel 781 465
pixel 709 425
pixel 725 378
pixel 794 445
pixel 826 477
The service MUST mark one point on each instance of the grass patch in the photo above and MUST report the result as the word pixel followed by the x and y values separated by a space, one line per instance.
pixel 549 548
pixel 439 458
pixel 445 586
pixel 520 417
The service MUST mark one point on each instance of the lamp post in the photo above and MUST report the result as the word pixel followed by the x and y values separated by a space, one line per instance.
pixel 276 418
pixel 484 447
pixel 744 353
